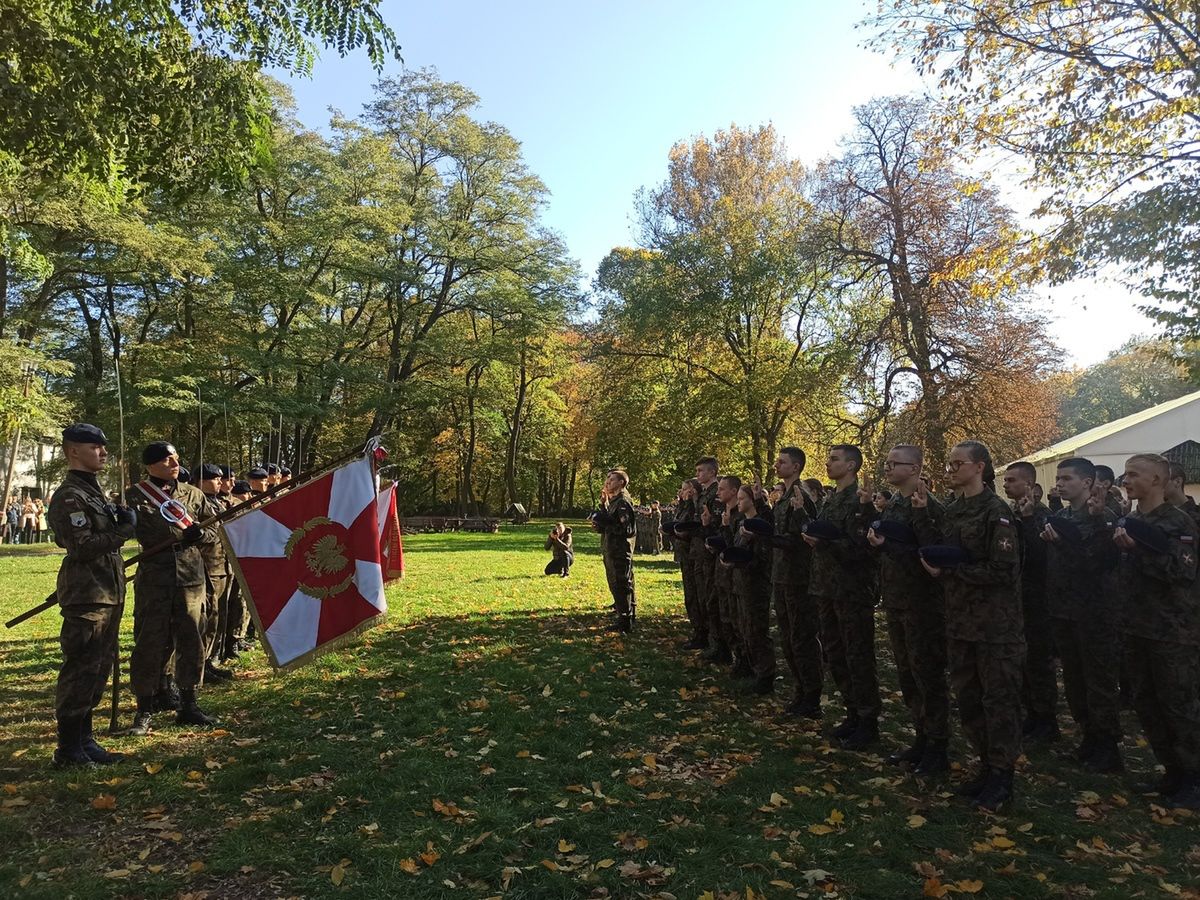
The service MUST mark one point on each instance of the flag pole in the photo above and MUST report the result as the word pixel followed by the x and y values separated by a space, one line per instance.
pixel 224 516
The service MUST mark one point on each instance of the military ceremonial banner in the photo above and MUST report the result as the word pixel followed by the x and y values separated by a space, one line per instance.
pixel 309 564
pixel 391 546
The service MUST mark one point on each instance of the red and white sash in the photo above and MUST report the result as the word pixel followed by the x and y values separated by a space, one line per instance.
pixel 171 509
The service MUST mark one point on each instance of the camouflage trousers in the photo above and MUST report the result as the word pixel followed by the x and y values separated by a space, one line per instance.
pixel 918 638
pixel 848 647
pixel 1165 678
pixel 88 637
pixel 237 614
pixel 166 619
pixel 704 567
pixel 726 617
pixel 1039 682
pixel 799 622
pixel 1090 650
pixel 754 630
pixel 987 686
pixel 691 600
pixel 216 616
pixel 618 570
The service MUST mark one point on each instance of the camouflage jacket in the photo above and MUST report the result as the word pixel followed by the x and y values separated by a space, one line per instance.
pixel 1161 602
pixel 179 565
pixel 707 499
pixel 215 563
pixel 983 596
pixel 723 575
pixel 618 535
pixel 1190 507
pixel 685 511
pixel 1033 554
pixel 903 582
pixel 1081 575
pixel 844 569
pixel 93 572
pixel 792 558
pixel 754 580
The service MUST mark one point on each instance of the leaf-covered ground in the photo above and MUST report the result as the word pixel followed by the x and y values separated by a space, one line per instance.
pixel 493 740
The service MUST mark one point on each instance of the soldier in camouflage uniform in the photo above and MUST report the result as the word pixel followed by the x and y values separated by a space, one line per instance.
pixel 616 522
pixel 984 629
pixel 685 511
pixel 709 509
pixel 796 612
pixel 168 589
pixel 1162 626
pixel 1039 687
pixel 752 591
pixel 90 590
pixel 1084 608
pixel 916 612
pixel 218 575
pixel 843 579
pixel 1176 496
pixel 1106 483
pixel 726 618
pixel 656 536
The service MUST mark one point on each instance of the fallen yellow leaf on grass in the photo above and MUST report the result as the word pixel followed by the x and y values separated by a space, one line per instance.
pixel 968 886
pixel 1002 843
pixel 916 821
pixel 195 866
pixel 153 768
pixel 104 801
pixel 564 846
pixel 117 873
pixel 409 865
pixel 650 761
pixel 605 863
pixel 934 888
pixel 551 865
pixel 337 875
pixel 820 829
pixel 835 817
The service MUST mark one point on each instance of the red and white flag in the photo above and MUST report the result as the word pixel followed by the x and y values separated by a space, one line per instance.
pixel 309 564
pixel 391 545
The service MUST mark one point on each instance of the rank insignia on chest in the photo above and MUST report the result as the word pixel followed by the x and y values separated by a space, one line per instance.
pixel 1187 559
pixel 1005 543
pixel 78 519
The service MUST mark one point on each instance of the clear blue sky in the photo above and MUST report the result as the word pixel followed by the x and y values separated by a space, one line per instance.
pixel 598 92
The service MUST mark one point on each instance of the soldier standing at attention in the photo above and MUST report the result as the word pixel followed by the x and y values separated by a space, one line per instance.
pixel 615 520
pixel 1039 688
pixel 169 588
pixel 985 636
pixel 795 609
pixel 1106 480
pixel 91 592
pixel 916 611
pixel 709 510
pixel 686 511
pixel 1162 626
pixel 1175 494
pixel 217 578
pixel 1083 603
pixel 656 535
pixel 752 589
pixel 257 479
pixel 844 582
pixel 725 623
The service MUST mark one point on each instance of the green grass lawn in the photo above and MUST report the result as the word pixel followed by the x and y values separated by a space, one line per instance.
pixel 493 740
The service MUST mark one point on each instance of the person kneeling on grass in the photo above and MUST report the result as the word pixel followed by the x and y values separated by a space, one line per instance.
pixel 559 543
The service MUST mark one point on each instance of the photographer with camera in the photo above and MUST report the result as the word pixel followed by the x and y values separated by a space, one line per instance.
pixel 559 543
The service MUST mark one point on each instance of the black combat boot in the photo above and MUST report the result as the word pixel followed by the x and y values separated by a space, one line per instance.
pixel 141 722
pixel 167 698
pixel 212 673
pixel 1188 795
pixel 997 790
pixel 1105 758
pixel 934 761
pixel 866 734
pixel 69 751
pixel 912 755
pixel 848 726
pixel 1041 731
pixel 973 785
pixel 190 713
pixel 1171 782
pixel 95 752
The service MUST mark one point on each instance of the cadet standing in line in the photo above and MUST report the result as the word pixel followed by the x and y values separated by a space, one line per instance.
pixel 1083 603
pixel 686 513
pixel 843 579
pixel 238 616
pixel 795 608
pixel 1039 688
pixel 1176 496
pixel 169 588
pixel 90 590
pixel 985 635
pixel 217 577
pixel 1106 480
pixel 916 611
pixel 656 535
pixel 708 510
pixel 1162 625
pixel 615 520
pixel 752 588
pixel 724 600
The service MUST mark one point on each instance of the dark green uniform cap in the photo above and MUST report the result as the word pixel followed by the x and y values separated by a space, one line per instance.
pixel 83 433
pixel 1148 536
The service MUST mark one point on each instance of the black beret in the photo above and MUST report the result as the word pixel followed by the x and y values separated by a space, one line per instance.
pixel 83 433
pixel 257 472
pixel 716 544
pixel 241 487
pixel 737 556
pixel 688 528
pixel 944 556
pixel 272 469
pixel 208 470
pixel 759 526
pixel 1149 536
pixel 226 472
pixel 1066 529
pixel 602 518
pixel 668 528
pixel 184 475
pixel 891 530
pixel 284 470
pixel 157 451
pixel 819 528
